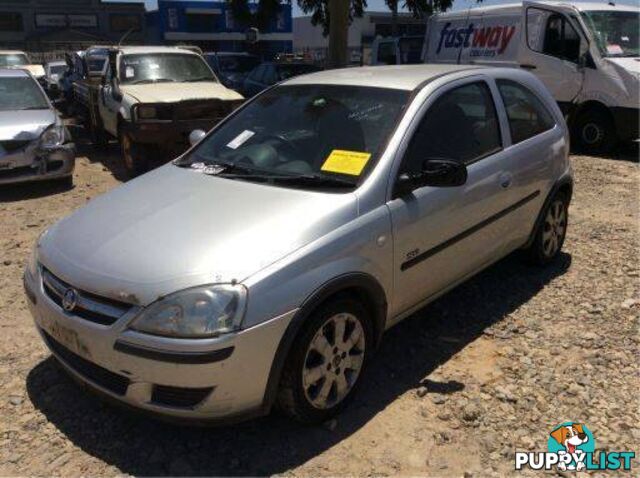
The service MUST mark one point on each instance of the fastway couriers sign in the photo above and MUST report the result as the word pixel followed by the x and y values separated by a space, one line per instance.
pixel 486 41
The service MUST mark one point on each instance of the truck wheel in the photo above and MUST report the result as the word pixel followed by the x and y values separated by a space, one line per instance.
pixel 594 132
pixel 326 361
pixel 132 155
pixel 551 232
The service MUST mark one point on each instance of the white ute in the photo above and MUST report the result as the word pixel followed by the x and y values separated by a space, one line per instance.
pixel 152 98
pixel 586 53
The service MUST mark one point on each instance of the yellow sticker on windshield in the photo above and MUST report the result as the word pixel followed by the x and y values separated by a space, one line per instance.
pixel 346 162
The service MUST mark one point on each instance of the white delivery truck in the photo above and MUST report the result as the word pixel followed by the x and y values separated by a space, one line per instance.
pixel 586 53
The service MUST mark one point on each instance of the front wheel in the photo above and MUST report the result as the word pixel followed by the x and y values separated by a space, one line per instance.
pixel 132 155
pixel 326 362
pixel 594 132
pixel 551 233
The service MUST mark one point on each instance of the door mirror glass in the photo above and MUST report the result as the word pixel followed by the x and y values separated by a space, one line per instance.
pixel 195 136
pixel 436 172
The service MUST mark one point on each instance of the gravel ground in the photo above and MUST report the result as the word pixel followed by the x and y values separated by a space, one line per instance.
pixel 488 369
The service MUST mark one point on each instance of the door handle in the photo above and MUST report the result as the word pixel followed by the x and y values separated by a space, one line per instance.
pixel 505 180
pixel 528 67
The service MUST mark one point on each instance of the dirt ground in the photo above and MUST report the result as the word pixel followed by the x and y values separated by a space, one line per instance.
pixel 488 369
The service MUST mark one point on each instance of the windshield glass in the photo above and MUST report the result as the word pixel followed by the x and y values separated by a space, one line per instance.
pixel 57 69
pixel 158 67
pixel 330 132
pixel 617 33
pixel 13 60
pixel 21 93
pixel 237 64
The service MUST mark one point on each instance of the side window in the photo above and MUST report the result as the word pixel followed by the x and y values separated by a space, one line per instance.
pixel 552 34
pixel 528 116
pixel 387 53
pixel 257 74
pixel 461 125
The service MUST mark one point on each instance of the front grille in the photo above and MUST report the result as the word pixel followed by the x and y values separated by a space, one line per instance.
pixel 101 376
pixel 13 145
pixel 179 396
pixel 91 307
pixel 202 110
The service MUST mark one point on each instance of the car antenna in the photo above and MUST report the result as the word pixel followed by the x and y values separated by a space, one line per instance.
pixel 124 37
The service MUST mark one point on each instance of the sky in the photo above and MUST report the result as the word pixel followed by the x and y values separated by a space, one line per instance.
pixel 379 5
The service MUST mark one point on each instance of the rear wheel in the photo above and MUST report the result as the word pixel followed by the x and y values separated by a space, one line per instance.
pixel 326 362
pixel 552 231
pixel 594 132
pixel 132 155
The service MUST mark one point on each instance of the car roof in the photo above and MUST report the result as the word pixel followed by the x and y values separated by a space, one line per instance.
pixel 56 62
pixel 12 52
pixel 402 77
pixel 127 50
pixel 14 73
pixel 228 53
pixel 582 6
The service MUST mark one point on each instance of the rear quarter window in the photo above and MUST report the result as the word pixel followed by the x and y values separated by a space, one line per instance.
pixel 527 114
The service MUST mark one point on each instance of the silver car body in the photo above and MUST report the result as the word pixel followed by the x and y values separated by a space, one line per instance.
pixel 174 228
pixel 21 156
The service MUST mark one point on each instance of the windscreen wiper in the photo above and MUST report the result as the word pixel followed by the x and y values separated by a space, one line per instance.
pixel 302 180
pixel 154 80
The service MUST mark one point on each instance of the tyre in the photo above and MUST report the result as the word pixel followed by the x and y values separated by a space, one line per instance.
pixel 132 155
pixel 551 232
pixel 326 362
pixel 594 132
pixel 66 182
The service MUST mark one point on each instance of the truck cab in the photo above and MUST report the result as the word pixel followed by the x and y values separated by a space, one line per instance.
pixel 587 54
pixel 152 98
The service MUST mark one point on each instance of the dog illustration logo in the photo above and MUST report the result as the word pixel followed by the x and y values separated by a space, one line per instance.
pixel 575 439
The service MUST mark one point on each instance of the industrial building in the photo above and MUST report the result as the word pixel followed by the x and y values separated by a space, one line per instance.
pixel 45 27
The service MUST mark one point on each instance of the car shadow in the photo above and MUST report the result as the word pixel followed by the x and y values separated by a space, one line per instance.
pixel 410 351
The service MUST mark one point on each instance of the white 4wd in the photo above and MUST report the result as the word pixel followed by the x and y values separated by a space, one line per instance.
pixel 153 97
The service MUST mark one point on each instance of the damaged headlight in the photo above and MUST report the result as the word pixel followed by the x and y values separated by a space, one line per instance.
pixel 53 136
pixel 199 312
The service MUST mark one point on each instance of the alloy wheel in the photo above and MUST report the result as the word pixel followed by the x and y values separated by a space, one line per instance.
pixel 333 361
pixel 555 226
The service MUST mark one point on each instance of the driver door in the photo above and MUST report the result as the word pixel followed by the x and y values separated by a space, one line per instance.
pixel 552 50
pixel 108 106
pixel 443 234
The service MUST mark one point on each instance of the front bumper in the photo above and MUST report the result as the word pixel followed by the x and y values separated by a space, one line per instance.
pixel 209 380
pixel 33 164
pixel 166 133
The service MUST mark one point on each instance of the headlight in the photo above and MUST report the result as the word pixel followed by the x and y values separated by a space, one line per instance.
pixel 53 136
pixel 205 311
pixel 147 112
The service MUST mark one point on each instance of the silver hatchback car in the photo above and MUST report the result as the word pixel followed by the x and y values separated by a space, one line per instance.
pixel 262 267
pixel 34 143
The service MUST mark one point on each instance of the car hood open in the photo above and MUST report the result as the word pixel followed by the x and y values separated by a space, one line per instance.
pixel 175 228
pixel 24 125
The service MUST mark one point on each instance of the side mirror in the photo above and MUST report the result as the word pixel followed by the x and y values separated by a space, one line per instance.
pixel 436 172
pixel 586 61
pixel 195 136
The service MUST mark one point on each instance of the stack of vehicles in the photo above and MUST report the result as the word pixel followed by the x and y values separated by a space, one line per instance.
pixel 34 143
pixel 151 99
pixel 587 54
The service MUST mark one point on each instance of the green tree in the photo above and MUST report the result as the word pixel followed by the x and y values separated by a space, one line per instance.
pixel 419 8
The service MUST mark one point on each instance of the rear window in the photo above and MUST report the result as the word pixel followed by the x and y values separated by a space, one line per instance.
pixel 528 116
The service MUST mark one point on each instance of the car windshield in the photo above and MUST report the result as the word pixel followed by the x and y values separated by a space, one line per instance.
pixel 617 34
pixel 289 71
pixel 237 64
pixel 57 69
pixel 13 60
pixel 21 93
pixel 163 67
pixel 325 135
